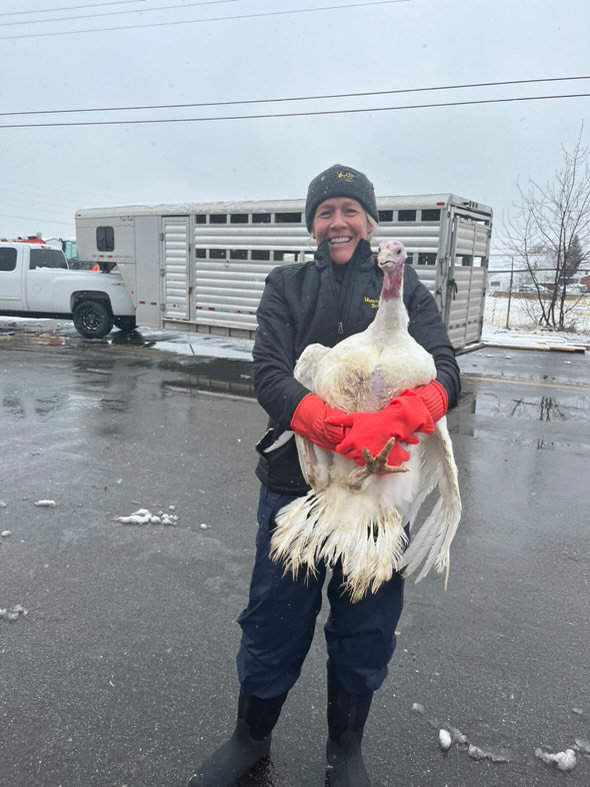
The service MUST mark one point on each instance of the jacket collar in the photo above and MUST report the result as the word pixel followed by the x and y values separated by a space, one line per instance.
pixel 362 259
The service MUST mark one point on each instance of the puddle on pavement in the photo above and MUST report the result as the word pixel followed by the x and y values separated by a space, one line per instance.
pixel 532 408
pixel 203 382
pixel 539 422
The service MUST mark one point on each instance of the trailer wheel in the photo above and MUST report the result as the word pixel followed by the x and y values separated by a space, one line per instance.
pixel 125 324
pixel 92 319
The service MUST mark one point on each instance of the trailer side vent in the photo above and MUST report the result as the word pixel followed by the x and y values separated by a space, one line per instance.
pixel 278 256
pixel 406 215
pixel 200 253
pixel 200 218
pixel 427 259
pixel 288 218
pixel 217 254
pixel 431 215
pixel 238 254
pixel 261 218
pixel 218 218
pixel 238 218
pixel 258 254
pixel 385 215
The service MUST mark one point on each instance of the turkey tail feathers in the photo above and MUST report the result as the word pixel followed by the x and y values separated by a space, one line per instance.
pixel 364 529
pixel 335 524
pixel 431 545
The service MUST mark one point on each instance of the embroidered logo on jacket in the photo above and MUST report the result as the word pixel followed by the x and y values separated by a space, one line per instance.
pixel 374 302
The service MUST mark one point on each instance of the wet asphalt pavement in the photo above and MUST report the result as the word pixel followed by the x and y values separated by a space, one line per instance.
pixel 122 672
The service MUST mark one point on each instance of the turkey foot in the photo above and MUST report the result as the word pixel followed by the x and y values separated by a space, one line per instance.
pixel 374 465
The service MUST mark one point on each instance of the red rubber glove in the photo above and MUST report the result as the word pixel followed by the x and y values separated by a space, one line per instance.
pixel 310 420
pixel 412 411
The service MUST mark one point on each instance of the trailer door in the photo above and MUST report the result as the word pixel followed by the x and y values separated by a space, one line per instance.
pixel 176 259
pixel 467 281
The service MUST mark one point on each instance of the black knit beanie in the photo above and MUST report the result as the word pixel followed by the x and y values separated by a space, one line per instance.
pixel 340 181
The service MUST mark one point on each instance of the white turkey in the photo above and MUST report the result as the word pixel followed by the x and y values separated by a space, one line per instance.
pixel 357 514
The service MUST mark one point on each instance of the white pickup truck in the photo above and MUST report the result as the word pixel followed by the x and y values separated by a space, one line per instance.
pixel 35 281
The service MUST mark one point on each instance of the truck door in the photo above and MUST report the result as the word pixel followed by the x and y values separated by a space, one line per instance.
pixel 470 242
pixel 43 262
pixel 176 260
pixel 11 278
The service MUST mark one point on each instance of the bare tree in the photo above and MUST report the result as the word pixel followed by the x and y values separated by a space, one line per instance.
pixel 550 232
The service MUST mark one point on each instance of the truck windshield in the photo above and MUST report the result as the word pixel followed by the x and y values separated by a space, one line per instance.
pixel 47 258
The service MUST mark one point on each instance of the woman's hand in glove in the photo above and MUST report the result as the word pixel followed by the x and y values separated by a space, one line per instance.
pixel 412 411
pixel 311 420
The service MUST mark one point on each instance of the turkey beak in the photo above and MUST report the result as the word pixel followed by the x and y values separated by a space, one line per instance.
pixel 385 259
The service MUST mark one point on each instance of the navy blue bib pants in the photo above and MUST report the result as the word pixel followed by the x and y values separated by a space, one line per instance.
pixel 279 622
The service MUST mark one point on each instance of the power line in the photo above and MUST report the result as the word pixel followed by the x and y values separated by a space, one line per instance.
pixel 209 19
pixel 295 114
pixel 34 218
pixel 294 98
pixel 67 8
pixel 115 13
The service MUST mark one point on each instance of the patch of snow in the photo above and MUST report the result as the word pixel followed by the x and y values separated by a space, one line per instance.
pixel 203 526
pixel 6 533
pixel 533 339
pixel 12 614
pixel 582 745
pixel 444 740
pixel 579 711
pixel 457 735
pixel 45 503
pixel 3 504
pixel 144 516
pixel 565 760
pixel 447 735
pixel 201 344
pixel 481 754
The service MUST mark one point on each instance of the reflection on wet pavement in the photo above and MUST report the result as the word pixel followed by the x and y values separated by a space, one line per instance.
pixel 543 408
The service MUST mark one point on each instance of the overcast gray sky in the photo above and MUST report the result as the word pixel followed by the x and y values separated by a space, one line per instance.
pixel 475 151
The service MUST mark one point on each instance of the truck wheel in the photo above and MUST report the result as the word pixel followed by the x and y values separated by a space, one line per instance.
pixel 125 324
pixel 92 319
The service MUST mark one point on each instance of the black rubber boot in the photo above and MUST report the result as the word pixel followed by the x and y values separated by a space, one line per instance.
pixel 347 714
pixel 249 743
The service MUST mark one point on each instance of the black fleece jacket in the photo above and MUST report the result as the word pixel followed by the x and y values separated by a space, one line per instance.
pixel 302 304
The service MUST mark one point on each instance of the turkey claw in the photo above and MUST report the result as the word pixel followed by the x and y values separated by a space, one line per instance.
pixel 374 465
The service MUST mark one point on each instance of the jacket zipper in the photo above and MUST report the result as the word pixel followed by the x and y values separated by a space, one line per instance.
pixel 347 285
pixel 343 294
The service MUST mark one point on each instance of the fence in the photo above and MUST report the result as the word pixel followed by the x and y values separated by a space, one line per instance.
pixel 512 301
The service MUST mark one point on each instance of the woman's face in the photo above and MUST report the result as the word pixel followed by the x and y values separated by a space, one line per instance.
pixel 343 223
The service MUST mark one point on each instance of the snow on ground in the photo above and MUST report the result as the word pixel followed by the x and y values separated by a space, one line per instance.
pixel 201 344
pixel 143 516
pixel 523 312
pixel 12 614
pixel 208 346
pixel 534 339
pixel 565 760
pixel 448 735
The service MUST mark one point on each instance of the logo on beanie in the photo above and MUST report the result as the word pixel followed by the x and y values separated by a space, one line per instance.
pixel 347 177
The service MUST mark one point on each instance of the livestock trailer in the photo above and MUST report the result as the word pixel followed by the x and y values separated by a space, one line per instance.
pixel 201 266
